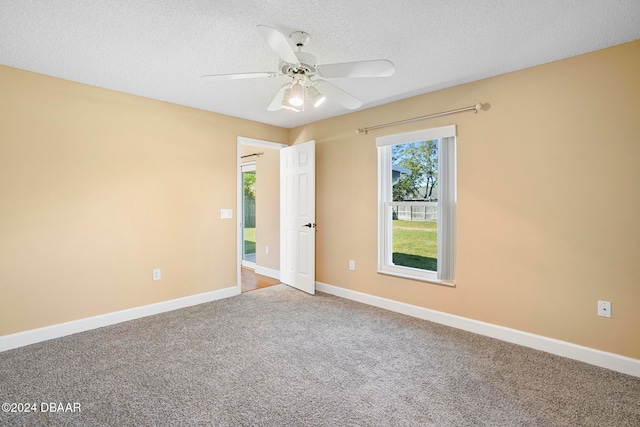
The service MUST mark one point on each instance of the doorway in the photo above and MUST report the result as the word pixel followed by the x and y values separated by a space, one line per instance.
pixel 258 194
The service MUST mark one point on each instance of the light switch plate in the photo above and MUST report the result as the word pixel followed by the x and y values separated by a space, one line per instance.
pixel 226 213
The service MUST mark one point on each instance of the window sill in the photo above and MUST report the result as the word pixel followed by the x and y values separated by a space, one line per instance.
pixel 449 283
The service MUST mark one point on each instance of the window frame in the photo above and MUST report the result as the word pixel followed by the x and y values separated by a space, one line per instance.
pixel 446 136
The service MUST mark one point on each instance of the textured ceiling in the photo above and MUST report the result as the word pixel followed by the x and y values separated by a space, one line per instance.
pixel 159 48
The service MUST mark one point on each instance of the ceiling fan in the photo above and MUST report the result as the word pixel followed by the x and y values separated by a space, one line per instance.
pixel 306 75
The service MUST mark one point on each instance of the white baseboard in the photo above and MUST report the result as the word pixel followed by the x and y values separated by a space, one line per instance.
pixel 33 336
pixel 269 272
pixel 592 356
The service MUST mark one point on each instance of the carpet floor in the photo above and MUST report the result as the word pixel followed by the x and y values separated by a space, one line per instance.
pixel 279 357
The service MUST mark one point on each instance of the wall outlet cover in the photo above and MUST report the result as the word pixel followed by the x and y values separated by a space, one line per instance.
pixel 604 308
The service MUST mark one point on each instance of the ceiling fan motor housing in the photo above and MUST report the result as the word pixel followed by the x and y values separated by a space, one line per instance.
pixel 307 65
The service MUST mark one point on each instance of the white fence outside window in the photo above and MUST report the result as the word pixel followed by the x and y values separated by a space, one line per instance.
pixel 415 211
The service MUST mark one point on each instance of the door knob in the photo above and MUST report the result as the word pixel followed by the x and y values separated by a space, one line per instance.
pixel 310 225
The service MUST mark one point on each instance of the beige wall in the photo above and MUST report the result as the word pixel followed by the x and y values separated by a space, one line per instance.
pixel 267 205
pixel 97 188
pixel 537 251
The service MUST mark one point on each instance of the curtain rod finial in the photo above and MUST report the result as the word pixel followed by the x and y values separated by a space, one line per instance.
pixel 478 107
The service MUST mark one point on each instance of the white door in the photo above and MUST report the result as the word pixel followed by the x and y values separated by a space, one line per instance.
pixel 297 216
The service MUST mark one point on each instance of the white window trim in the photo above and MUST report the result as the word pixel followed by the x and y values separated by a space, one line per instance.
pixel 446 200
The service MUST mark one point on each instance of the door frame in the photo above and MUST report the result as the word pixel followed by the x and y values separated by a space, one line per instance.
pixel 241 140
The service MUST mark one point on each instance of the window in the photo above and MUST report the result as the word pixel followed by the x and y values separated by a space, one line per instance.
pixel 417 204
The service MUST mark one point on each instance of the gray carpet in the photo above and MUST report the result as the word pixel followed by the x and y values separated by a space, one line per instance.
pixel 279 357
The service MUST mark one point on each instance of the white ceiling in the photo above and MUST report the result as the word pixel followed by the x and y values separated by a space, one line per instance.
pixel 159 48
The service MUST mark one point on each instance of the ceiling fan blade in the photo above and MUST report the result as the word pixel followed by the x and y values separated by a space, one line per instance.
pixel 279 44
pixel 337 94
pixel 237 76
pixel 276 104
pixel 372 68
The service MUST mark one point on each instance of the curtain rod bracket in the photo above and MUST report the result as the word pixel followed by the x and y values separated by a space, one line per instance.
pixel 475 109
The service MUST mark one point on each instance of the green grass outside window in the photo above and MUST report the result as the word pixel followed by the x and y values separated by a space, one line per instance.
pixel 415 244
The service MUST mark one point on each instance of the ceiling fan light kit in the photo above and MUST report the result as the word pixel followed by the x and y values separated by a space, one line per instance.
pixel 294 95
pixel 307 75
pixel 298 92
pixel 316 97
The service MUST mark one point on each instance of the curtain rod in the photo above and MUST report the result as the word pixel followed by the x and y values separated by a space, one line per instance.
pixel 475 108
pixel 251 155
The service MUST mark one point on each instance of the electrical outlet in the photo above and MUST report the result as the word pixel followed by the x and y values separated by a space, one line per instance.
pixel 266 249
pixel 352 265
pixel 226 213
pixel 604 308
pixel 156 274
